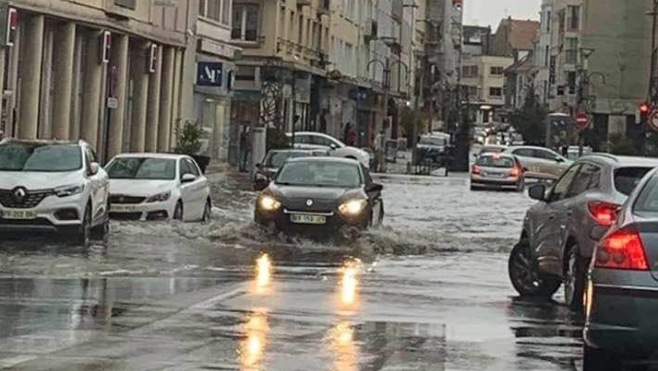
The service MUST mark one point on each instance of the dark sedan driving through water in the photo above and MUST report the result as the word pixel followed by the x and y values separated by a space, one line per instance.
pixel 321 196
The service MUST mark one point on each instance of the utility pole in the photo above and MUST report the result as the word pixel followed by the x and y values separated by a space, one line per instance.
pixel 413 135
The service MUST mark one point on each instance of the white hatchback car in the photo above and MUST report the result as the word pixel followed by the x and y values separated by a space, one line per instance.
pixel 145 186
pixel 53 186
pixel 312 140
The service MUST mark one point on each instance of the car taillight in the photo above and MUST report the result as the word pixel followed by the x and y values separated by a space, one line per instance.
pixel 603 212
pixel 622 250
pixel 475 169
pixel 515 172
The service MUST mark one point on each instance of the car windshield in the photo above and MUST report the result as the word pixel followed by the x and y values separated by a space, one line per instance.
pixel 142 168
pixel 277 159
pixel 626 179
pixel 323 174
pixel 40 157
pixel 493 161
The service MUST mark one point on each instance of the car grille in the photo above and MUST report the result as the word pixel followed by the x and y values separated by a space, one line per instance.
pixel 126 200
pixel 31 200
pixel 125 216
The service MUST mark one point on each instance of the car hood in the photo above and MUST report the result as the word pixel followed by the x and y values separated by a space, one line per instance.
pixel 140 187
pixel 39 180
pixel 323 198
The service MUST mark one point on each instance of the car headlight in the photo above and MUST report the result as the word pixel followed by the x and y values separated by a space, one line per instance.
pixel 268 203
pixel 160 197
pixel 69 190
pixel 353 207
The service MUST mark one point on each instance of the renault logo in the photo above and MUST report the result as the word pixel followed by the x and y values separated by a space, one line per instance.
pixel 19 194
pixel 309 203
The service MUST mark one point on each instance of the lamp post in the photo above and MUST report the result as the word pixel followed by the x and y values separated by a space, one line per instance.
pixel 387 66
pixel 583 102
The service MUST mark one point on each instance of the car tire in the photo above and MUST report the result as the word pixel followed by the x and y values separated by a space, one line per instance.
pixel 574 279
pixel 520 186
pixel 524 276
pixel 178 212
pixel 600 360
pixel 81 238
pixel 207 212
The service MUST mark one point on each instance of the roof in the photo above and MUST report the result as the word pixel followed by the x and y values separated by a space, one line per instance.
pixel 519 34
pixel 42 141
pixel 338 160
pixel 164 156
pixel 625 161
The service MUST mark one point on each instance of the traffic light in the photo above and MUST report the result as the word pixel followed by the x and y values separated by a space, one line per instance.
pixel 106 47
pixel 8 24
pixel 644 108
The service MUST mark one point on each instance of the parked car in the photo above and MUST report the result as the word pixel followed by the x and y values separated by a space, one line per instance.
pixel 319 196
pixel 53 186
pixel 497 171
pixel 491 148
pixel 621 290
pixel 574 151
pixel 542 163
pixel 149 186
pixel 313 140
pixel 560 231
pixel 433 147
pixel 266 170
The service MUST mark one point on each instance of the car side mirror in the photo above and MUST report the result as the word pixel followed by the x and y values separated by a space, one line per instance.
pixel 187 178
pixel 333 146
pixel 261 182
pixel 537 192
pixel 559 160
pixel 374 187
pixel 93 168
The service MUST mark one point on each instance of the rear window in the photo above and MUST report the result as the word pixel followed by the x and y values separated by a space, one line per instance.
pixel 491 150
pixel 626 179
pixel 647 202
pixel 493 161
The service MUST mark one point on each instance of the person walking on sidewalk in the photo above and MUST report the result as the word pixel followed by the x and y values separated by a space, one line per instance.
pixel 380 147
pixel 245 147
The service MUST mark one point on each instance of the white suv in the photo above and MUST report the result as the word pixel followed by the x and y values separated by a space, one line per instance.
pixel 312 140
pixel 53 186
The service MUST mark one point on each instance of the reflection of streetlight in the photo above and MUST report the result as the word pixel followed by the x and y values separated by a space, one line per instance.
pixel 253 347
pixel 345 349
pixel 263 273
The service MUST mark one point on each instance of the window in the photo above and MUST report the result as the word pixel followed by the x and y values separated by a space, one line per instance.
pixel 562 186
pixel 571 82
pixel 546 56
pixel 548 21
pixel 545 155
pixel 627 178
pixel 246 22
pixel 496 92
pixel 210 9
pixel 574 18
pixel 561 20
pixel 470 71
pixel 130 4
pixel 572 50
pixel 300 29
pixel 191 165
pixel 226 11
pixel 496 70
pixel 472 91
pixel 587 178
pixel 524 152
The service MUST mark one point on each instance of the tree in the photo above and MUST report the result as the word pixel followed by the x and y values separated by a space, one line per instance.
pixel 530 119
pixel 188 138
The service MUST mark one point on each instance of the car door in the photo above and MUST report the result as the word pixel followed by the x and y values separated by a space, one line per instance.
pixel 552 164
pixel 201 187
pixel 186 189
pixel 195 190
pixel 97 187
pixel 526 156
pixel 575 219
pixel 548 224
pixel 374 197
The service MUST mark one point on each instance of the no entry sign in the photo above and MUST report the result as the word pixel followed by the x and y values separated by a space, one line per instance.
pixel 582 121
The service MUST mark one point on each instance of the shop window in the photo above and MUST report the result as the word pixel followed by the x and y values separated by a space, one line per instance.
pixel 246 22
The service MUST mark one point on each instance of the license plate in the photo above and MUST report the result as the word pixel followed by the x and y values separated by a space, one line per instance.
pixel 308 219
pixel 19 214
pixel 494 175
pixel 122 209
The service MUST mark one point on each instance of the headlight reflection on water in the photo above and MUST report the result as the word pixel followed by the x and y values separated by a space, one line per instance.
pixel 263 274
pixel 345 349
pixel 253 347
pixel 349 282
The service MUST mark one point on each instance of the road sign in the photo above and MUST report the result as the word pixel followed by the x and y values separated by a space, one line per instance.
pixel 209 74
pixel 112 103
pixel 653 119
pixel 582 121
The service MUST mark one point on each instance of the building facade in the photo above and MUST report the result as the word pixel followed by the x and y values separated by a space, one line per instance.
pixel 483 78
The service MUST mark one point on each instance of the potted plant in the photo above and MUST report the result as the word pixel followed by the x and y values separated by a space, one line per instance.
pixel 188 142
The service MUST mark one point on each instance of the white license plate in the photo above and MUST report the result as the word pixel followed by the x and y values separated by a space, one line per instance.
pixel 308 219
pixel 19 214
pixel 122 208
pixel 495 175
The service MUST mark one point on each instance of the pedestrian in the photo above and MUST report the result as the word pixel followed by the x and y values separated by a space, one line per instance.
pixel 379 151
pixel 352 136
pixel 245 147
pixel 346 132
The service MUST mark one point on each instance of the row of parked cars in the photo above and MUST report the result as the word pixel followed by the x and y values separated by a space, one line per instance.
pixel 595 233
pixel 57 186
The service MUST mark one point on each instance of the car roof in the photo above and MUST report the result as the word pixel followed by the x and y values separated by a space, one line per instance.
pixel 325 159
pixel 164 156
pixel 43 141
pixel 621 161
pixel 490 154
pixel 511 148
pixel 283 150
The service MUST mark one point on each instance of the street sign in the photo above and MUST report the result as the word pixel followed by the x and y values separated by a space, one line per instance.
pixel 112 103
pixel 653 119
pixel 209 74
pixel 582 121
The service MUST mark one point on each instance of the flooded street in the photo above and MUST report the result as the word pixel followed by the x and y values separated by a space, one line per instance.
pixel 428 291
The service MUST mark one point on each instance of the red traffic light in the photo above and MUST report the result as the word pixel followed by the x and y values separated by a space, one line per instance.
pixel 644 108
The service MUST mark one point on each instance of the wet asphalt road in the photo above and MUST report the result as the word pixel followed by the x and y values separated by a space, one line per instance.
pixel 430 292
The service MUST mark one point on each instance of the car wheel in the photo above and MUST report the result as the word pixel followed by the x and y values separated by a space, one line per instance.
pixel 600 360
pixel 82 236
pixel 178 211
pixel 524 276
pixel 520 186
pixel 574 279
pixel 207 212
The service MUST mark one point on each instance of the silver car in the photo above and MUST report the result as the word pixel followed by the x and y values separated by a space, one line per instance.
pixel 560 231
pixel 497 171
pixel 622 286
pixel 542 163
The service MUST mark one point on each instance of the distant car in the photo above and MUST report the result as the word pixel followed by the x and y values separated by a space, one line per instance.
pixel 560 231
pixel 433 146
pixel 313 140
pixel 492 148
pixel 574 151
pixel 149 186
pixel 622 284
pixel 53 186
pixel 266 170
pixel 497 171
pixel 320 196
pixel 542 163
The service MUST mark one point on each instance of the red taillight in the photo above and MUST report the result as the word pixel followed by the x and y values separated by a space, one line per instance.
pixel 515 172
pixel 603 212
pixel 475 169
pixel 622 250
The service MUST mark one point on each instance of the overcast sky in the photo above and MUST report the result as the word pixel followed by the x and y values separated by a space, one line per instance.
pixel 490 12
